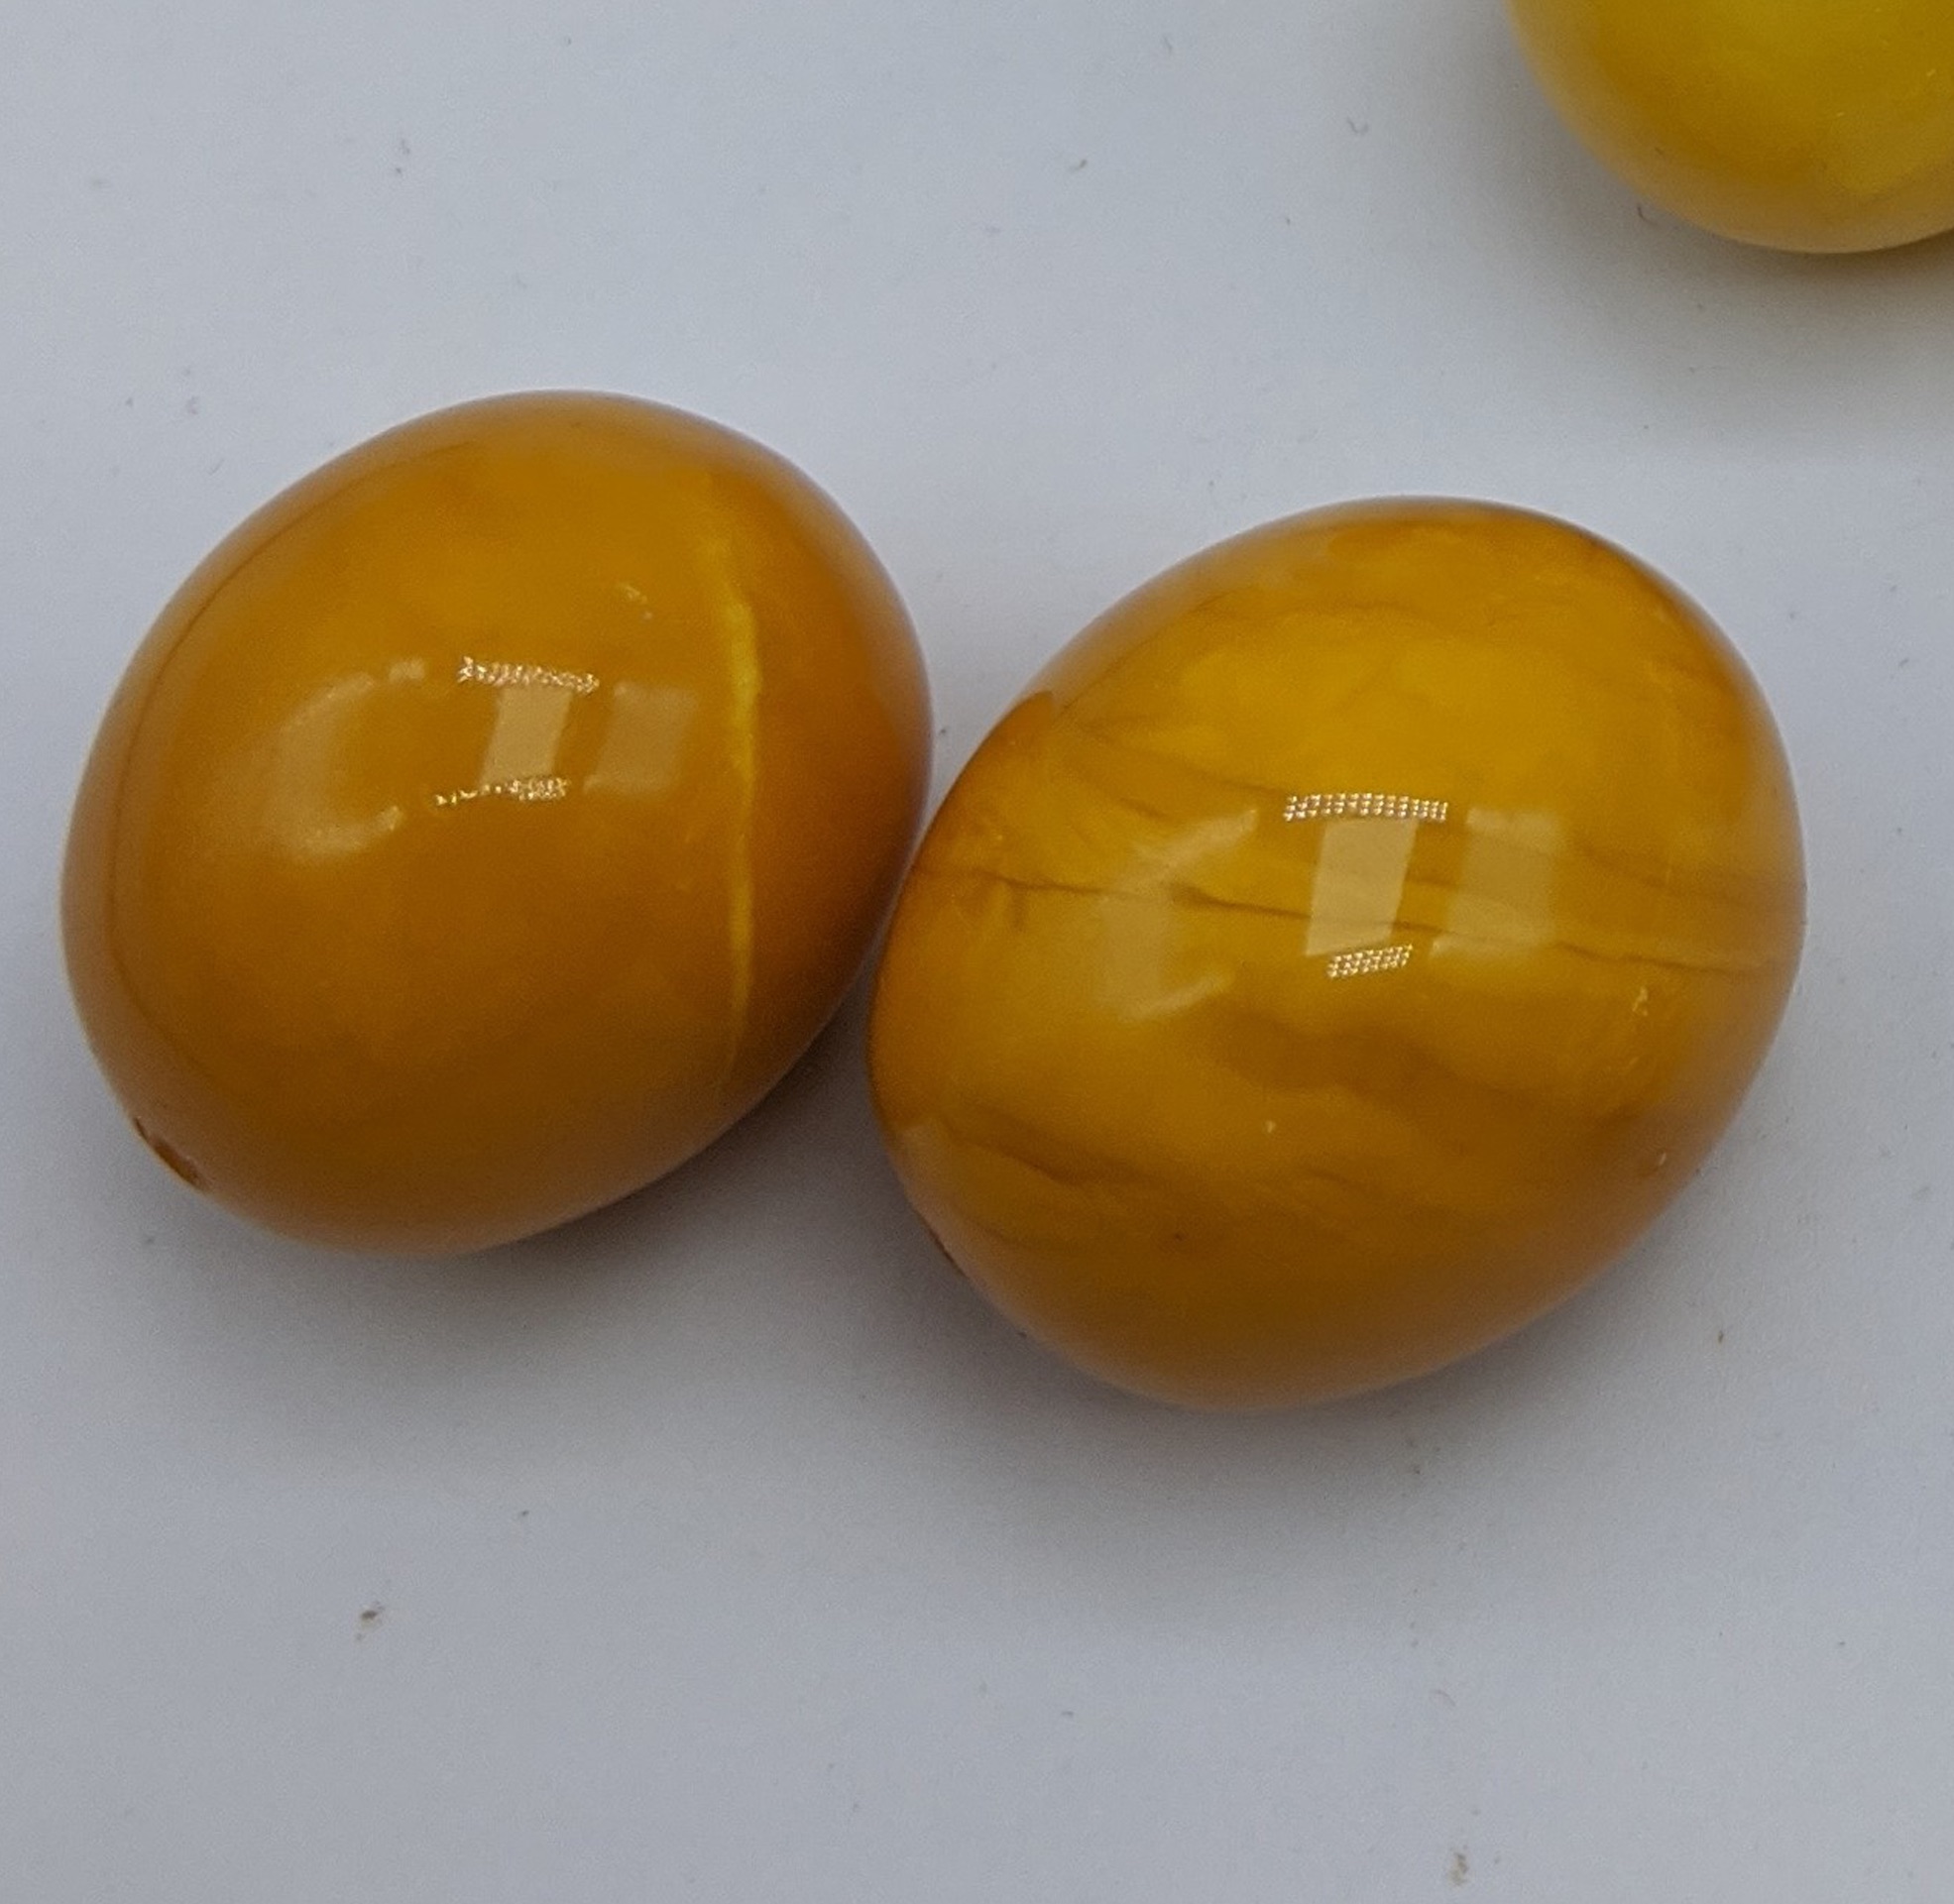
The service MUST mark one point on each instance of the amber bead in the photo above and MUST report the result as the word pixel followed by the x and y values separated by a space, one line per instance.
pixel 1344 948
pixel 1808 124
pixel 490 820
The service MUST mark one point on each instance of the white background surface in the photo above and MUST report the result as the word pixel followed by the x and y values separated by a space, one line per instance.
pixel 722 1548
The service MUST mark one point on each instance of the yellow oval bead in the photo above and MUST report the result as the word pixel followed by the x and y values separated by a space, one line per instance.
pixel 490 820
pixel 1345 948
pixel 1807 125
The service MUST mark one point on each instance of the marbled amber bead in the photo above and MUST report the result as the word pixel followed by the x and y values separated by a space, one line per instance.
pixel 1345 948
pixel 1808 124
pixel 490 820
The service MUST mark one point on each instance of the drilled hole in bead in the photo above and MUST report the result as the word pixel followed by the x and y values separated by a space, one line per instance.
pixel 170 1155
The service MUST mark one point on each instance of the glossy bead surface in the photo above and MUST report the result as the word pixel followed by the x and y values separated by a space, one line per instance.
pixel 1808 124
pixel 490 820
pixel 1345 948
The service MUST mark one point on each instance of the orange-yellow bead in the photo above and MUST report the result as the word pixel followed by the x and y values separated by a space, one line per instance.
pixel 1344 948
pixel 1808 124
pixel 490 820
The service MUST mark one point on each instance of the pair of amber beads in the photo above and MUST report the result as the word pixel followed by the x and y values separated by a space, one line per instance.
pixel 1339 952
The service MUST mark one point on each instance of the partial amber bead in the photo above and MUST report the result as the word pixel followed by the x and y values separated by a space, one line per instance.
pixel 1344 948
pixel 490 820
pixel 1808 124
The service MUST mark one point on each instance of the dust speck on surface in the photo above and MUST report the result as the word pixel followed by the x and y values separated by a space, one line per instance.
pixel 1459 1873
